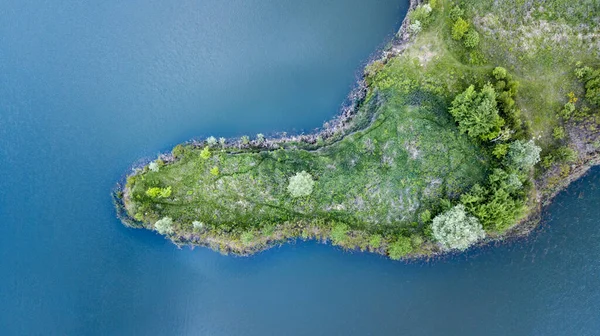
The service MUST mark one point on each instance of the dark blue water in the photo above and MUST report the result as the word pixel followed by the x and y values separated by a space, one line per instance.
pixel 86 88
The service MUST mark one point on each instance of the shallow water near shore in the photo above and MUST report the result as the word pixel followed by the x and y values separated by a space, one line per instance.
pixel 87 89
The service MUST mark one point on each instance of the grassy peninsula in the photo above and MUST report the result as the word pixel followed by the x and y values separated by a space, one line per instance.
pixel 474 115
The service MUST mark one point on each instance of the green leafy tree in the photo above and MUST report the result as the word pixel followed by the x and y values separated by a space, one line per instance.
pixel 522 155
pixel 375 241
pixel 205 153
pixel 339 233
pixel 455 229
pixel 214 171
pixel 156 192
pixel 566 154
pixel 567 110
pixel 500 150
pixel 164 226
pixel 592 87
pixel 166 192
pixel 471 39
pixel 498 205
pixel 459 29
pixel 301 184
pixel 558 133
pixel 499 73
pixel 400 248
pixel 456 13
pixel 477 113
pixel 247 237
pixel 153 192
pixel 421 14
pixel 178 151
pixel 416 240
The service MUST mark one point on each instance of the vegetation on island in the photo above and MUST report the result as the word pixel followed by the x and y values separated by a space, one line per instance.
pixel 482 109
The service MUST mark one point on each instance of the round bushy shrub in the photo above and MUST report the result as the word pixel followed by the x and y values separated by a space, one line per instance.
pixel 301 184
pixel 400 248
pixel 164 225
pixel 471 39
pixel 523 155
pixel 455 229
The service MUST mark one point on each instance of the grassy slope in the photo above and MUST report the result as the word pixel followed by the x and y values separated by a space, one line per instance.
pixel 378 180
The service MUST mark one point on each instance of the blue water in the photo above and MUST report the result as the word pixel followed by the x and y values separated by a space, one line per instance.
pixel 87 88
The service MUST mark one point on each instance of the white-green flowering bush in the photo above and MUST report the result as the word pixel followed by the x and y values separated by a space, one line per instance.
pixel 211 141
pixel 164 225
pixel 153 166
pixel 260 138
pixel 222 141
pixel 415 27
pixel 523 155
pixel 198 225
pixel 455 229
pixel 301 184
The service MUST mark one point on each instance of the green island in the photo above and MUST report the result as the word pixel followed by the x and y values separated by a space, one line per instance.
pixel 471 120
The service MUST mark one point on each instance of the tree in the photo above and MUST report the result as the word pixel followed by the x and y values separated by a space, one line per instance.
pixel 205 153
pixel 421 14
pixel 214 171
pixel 164 226
pixel 401 247
pixel 375 241
pixel 500 150
pixel 156 192
pixel 166 192
pixel 566 154
pixel 247 237
pixel 459 29
pixel 339 233
pixel 592 87
pixel 477 113
pixel 415 27
pixel 499 73
pixel 301 184
pixel 471 39
pixel 178 151
pixel 522 155
pixel 153 166
pixel 197 225
pixel 558 133
pixel 456 12
pixel 455 229
pixel 211 141
pixel 498 205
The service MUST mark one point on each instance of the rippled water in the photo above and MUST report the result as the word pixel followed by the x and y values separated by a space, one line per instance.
pixel 87 88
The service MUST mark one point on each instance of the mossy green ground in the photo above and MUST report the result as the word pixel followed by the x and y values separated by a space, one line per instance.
pixel 378 181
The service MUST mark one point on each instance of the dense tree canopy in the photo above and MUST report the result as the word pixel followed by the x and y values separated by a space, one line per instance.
pixel 477 112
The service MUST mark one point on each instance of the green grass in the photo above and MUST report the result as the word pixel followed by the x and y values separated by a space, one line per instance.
pixel 404 153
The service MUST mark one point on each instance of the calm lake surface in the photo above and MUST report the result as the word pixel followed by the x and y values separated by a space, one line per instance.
pixel 89 87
